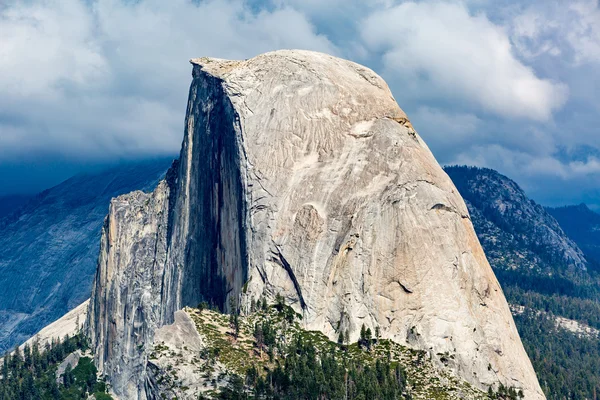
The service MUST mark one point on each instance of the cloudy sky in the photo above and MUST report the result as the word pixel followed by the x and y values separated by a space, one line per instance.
pixel 510 85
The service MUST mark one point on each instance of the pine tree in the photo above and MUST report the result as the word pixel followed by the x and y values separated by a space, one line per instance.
pixel 236 325
pixel 5 368
pixel 279 301
pixel 27 360
pixel 16 360
pixel 259 336
pixel 28 389
pixel 68 376
pixel 36 358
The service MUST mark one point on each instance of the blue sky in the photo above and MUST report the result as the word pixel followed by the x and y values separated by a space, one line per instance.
pixel 510 85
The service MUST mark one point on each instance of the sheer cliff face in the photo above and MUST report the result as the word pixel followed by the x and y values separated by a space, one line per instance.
pixel 300 175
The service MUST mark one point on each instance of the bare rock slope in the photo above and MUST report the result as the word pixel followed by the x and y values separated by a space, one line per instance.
pixel 299 175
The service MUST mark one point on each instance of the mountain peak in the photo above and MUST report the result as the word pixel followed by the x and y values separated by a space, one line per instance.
pixel 516 220
pixel 301 178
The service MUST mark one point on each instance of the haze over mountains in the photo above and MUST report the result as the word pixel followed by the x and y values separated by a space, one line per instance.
pixel 49 247
pixel 583 225
pixel 12 202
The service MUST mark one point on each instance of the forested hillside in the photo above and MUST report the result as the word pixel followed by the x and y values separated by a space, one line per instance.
pixel 583 226
pixel 541 268
pixel 262 355
pixel 31 373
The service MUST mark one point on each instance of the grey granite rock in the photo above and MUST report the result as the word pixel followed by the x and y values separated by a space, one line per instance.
pixel 49 246
pixel 299 175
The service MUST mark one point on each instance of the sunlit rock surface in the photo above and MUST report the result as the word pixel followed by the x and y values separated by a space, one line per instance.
pixel 299 175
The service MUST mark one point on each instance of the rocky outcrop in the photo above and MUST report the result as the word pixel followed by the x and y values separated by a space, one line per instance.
pixel 299 175
pixel 49 246
pixel 71 361
pixel 176 368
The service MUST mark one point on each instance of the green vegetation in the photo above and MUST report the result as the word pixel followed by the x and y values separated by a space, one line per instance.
pixel 583 310
pixel 31 374
pixel 535 273
pixel 567 364
pixel 268 355
pixel 305 375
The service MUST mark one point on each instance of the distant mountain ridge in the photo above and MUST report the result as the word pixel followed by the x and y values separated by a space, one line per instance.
pixel 583 225
pixel 546 272
pixel 11 203
pixel 49 246
pixel 505 217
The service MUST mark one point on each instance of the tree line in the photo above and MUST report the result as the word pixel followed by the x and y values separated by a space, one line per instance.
pixel 30 374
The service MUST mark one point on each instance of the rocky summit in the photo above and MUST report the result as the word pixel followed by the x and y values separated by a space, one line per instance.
pixel 300 177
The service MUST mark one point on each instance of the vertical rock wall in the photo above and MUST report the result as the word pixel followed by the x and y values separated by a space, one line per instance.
pixel 299 175
pixel 180 245
pixel 206 259
pixel 125 306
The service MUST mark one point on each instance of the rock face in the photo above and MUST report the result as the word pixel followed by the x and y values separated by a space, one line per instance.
pixel 69 324
pixel 177 349
pixel 299 175
pixel 49 246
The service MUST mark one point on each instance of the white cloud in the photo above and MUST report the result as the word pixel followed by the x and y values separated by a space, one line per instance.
pixel 447 132
pixel 583 31
pixel 529 35
pixel 110 77
pixel 461 57
pixel 570 30
pixel 43 47
pixel 528 167
pixel 449 125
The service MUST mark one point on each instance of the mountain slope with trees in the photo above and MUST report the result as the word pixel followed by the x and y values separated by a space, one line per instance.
pixel 541 269
pixel 583 226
